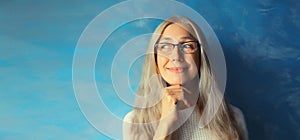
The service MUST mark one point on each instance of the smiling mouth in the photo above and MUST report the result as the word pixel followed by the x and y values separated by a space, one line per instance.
pixel 176 69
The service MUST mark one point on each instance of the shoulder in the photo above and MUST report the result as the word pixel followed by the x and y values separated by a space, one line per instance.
pixel 239 116
pixel 129 117
pixel 127 126
pixel 128 121
pixel 132 131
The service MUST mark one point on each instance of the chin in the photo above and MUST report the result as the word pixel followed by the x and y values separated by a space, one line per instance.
pixel 176 82
pixel 176 79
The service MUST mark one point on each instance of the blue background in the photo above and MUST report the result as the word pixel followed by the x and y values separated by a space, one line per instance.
pixel 260 39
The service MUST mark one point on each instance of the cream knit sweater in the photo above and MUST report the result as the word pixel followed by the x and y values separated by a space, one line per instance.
pixel 190 130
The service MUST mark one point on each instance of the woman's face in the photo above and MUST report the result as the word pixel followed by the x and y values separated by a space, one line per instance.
pixel 177 67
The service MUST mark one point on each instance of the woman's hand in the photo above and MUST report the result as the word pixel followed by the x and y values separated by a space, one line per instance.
pixel 175 98
pixel 173 101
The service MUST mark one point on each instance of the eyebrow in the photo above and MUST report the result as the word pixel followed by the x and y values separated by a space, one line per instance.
pixel 187 38
pixel 182 38
pixel 167 38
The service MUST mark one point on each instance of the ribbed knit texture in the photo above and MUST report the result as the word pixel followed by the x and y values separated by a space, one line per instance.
pixel 190 130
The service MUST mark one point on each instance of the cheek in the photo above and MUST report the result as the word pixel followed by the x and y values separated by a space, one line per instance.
pixel 193 62
pixel 196 60
pixel 161 62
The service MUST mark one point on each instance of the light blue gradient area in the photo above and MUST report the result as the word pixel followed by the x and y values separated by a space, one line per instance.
pixel 37 41
pixel 260 39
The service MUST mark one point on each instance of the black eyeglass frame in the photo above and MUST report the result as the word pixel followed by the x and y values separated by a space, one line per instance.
pixel 198 45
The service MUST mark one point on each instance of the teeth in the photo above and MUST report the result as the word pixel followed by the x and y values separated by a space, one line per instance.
pixel 176 69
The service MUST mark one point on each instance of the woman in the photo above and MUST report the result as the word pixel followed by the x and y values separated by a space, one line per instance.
pixel 176 84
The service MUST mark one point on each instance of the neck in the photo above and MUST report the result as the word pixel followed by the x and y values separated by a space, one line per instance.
pixel 192 85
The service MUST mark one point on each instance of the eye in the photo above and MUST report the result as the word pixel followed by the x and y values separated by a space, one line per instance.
pixel 187 46
pixel 164 46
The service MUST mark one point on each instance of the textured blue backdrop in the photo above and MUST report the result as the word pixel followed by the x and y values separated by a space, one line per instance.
pixel 260 39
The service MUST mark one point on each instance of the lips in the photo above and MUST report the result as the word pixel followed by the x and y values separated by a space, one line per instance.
pixel 176 69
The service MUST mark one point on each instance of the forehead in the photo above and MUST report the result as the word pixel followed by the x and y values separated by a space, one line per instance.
pixel 176 32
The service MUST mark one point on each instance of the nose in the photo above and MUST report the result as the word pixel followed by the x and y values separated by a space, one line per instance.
pixel 176 54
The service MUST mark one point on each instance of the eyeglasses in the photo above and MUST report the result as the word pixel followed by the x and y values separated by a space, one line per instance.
pixel 185 47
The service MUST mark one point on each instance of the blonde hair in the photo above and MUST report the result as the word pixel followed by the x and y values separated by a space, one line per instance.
pixel 222 124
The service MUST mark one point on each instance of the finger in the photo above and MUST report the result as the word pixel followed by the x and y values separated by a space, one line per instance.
pixel 175 93
pixel 186 103
pixel 174 90
pixel 176 101
pixel 179 87
pixel 171 90
pixel 186 90
pixel 172 99
pixel 179 99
